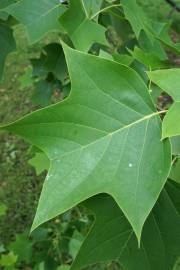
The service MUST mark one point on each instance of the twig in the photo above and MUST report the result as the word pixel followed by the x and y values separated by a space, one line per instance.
pixel 173 4
pixel 104 10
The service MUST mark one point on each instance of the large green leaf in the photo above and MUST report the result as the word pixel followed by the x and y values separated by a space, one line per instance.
pixel 168 80
pixel 82 31
pixel 104 138
pixel 7 45
pixel 111 237
pixel 39 17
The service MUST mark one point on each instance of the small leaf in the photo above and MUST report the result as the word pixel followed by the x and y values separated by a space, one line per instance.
pixel 52 60
pixel 123 58
pixel 8 259
pixel 171 123
pixel 39 17
pixel 22 247
pixel 40 162
pixel 168 80
pixel 42 93
pixel 82 31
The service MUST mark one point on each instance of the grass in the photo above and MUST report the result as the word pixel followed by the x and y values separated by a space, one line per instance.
pixel 19 186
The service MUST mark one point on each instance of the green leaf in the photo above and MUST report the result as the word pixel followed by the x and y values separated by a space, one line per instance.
pixel 175 143
pixel 92 6
pixel 168 80
pixel 104 138
pixel 42 93
pixel 163 36
pixel 8 45
pixel 141 22
pixel 175 171
pixel 63 267
pixel 177 265
pixel 171 123
pixel 39 17
pixel 40 162
pixel 82 31
pixel 8 259
pixel 22 247
pixel 136 16
pixel 155 92
pixel 152 46
pixel 39 266
pixel 150 60
pixel 105 55
pixel 3 4
pixel 111 237
pixel 75 243
pixel 26 79
pixel 120 58
pixel 3 209
pixel 123 59
pixel 51 60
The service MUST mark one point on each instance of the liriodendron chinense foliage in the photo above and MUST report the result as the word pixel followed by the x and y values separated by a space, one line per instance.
pixel 109 145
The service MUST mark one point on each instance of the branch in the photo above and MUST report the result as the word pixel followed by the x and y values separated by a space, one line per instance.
pixel 173 4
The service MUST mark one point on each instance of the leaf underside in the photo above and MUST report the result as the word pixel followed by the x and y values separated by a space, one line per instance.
pixel 112 238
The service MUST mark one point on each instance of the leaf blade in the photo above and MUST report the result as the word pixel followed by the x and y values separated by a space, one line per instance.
pixel 105 139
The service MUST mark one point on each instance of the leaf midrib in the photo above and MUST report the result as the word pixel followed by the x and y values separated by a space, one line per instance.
pixel 99 139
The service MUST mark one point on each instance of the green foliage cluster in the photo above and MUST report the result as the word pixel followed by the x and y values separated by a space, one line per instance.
pixel 111 143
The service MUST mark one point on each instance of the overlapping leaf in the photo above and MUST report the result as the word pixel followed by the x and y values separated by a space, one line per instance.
pixel 92 6
pixel 7 45
pixel 3 4
pixel 111 237
pixel 39 17
pixel 40 162
pixel 104 138
pixel 175 171
pixel 150 60
pixel 82 31
pixel 169 81
pixel 140 22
